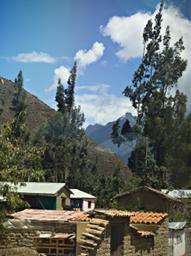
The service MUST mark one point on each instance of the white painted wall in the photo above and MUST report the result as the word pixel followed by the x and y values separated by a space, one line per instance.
pixel 85 204
pixel 177 242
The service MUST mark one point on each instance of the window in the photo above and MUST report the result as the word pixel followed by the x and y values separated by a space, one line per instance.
pixel 89 204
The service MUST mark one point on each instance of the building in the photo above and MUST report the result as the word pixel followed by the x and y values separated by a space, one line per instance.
pixel 149 199
pixel 177 238
pixel 117 233
pixel 183 195
pixel 101 233
pixel 43 195
pixel 82 200
pixel 51 232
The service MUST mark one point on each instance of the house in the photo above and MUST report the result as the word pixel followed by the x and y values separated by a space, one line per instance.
pixel 50 232
pixel 101 233
pixel 149 199
pixel 177 238
pixel 116 233
pixel 183 195
pixel 43 195
pixel 82 200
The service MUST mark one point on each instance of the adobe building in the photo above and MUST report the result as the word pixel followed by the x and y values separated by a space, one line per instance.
pixel 120 233
pixel 105 233
pixel 149 199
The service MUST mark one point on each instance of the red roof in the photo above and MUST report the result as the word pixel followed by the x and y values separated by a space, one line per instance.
pixel 47 215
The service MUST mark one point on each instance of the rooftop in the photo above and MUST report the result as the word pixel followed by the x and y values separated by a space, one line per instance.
pixel 135 216
pixel 48 215
pixel 177 225
pixel 46 188
pixel 76 193
pixel 147 217
pixel 157 192
pixel 178 193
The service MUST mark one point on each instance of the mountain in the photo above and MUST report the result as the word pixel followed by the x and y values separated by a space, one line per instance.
pixel 38 113
pixel 101 134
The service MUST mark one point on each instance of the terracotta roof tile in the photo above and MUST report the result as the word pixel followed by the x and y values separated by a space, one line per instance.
pixel 135 216
pixel 147 217
pixel 82 217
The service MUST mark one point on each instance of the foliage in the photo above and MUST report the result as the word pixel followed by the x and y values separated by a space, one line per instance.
pixel 19 130
pixel 160 108
pixel 19 160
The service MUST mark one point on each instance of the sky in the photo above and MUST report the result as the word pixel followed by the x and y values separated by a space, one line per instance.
pixel 43 38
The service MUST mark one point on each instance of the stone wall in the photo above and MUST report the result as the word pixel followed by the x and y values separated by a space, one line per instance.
pixel 104 246
pixel 24 237
pixel 19 238
pixel 121 240
pixel 134 244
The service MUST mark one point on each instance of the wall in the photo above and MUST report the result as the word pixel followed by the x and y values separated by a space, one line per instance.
pixel 177 245
pixel 19 238
pixel 188 241
pixel 104 247
pixel 157 245
pixel 41 202
pixel 85 204
pixel 149 201
pixel 80 228
pixel 63 193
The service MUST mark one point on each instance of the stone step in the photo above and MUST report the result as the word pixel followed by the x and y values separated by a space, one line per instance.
pixel 92 226
pixel 91 236
pixel 88 242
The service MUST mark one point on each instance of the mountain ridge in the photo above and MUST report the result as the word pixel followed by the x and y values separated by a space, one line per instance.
pixel 101 134
pixel 38 113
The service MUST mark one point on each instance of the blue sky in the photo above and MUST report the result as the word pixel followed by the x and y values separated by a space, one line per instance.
pixel 43 37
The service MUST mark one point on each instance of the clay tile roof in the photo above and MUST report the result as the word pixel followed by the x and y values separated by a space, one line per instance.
pixel 147 217
pixel 114 213
pixel 135 216
pixel 82 217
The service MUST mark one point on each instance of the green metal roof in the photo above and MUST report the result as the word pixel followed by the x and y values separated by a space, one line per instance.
pixel 76 193
pixel 46 188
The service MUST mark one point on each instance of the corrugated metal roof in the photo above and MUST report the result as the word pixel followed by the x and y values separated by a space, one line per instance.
pixel 176 225
pixel 47 188
pixel 81 194
pixel 178 193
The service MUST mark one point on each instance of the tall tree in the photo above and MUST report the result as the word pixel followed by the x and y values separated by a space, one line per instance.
pixel 60 97
pixel 70 90
pixel 19 130
pixel 159 110
pixel 64 135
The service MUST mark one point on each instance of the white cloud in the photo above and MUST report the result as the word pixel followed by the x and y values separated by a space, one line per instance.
pixel 127 33
pixel 86 57
pixel 34 57
pixel 61 72
pixel 103 107
pixel 93 88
